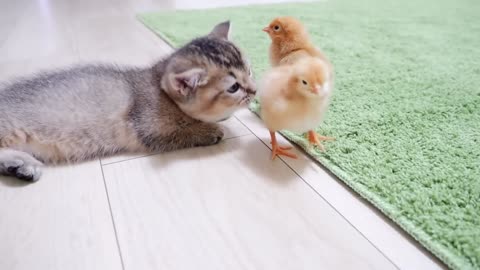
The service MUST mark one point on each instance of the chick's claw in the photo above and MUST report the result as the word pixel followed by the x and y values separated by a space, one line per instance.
pixel 278 150
pixel 284 147
pixel 281 151
pixel 316 139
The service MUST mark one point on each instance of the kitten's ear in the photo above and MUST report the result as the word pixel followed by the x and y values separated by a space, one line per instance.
pixel 188 81
pixel 221 30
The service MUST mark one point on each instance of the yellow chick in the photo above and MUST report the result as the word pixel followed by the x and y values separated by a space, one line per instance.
pixel 290 42
pixel 295 97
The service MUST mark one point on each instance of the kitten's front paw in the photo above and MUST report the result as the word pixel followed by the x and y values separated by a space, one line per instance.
pixel 209 134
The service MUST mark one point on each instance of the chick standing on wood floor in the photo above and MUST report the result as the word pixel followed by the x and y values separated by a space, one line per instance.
pixel 296 92
pixel 295 98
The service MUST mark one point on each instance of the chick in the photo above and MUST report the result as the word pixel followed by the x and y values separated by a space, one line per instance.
pixel 290 42
pixel 295 97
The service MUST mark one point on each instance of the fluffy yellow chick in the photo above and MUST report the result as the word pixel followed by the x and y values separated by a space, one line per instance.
pixel 295 97
pixel 290 42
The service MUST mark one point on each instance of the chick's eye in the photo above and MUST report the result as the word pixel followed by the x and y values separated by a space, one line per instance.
pixel 304 82
pixel 234 88
pixel 276 28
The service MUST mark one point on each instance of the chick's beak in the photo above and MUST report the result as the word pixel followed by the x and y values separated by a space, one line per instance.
pixel 266 29
pixel 317 89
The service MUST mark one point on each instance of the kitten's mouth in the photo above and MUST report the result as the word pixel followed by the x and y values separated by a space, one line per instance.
pixel 245 101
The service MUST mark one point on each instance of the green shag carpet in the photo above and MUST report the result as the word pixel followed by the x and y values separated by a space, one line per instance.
pixel 406 105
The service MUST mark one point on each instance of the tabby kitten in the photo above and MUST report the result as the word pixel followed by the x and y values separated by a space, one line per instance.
pixel 93 111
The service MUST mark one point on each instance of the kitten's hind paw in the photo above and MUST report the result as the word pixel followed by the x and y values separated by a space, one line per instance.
pixel 26 172
pixel 20 165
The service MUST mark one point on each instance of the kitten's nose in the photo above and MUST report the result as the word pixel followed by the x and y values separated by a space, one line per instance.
pixel 251 91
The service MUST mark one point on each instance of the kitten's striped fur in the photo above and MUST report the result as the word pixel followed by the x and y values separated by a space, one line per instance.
pixel 93 111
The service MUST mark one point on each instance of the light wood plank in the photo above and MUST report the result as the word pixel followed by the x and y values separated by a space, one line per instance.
pixel 228 207
pixel 34 33
pixel 61 222
pixel 392 241
pixel 116 39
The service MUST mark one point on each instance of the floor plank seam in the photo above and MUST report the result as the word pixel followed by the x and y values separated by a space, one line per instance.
pixel 113 219
pixel 319 195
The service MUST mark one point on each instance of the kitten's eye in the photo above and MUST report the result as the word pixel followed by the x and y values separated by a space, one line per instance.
pixel 276 28
pixel 304 82
pixel 234 88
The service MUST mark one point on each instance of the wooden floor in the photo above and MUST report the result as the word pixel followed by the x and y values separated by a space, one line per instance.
pixel 221 207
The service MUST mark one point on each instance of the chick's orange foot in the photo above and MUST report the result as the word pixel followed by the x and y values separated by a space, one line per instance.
pixel 278 150
pixel 284 147
pixel 316 139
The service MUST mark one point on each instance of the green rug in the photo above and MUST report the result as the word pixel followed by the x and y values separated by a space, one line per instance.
pixel 405 111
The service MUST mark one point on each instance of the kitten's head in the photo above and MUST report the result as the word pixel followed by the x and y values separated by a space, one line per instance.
pixel 209 78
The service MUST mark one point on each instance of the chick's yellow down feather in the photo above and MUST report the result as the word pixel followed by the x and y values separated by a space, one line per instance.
pixel 296 92
pixel 295 97
pixel 290 42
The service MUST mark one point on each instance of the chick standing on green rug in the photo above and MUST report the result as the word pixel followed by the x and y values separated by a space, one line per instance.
pixel 295 93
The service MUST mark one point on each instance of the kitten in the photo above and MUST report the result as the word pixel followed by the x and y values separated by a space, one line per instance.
pixel 94 111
